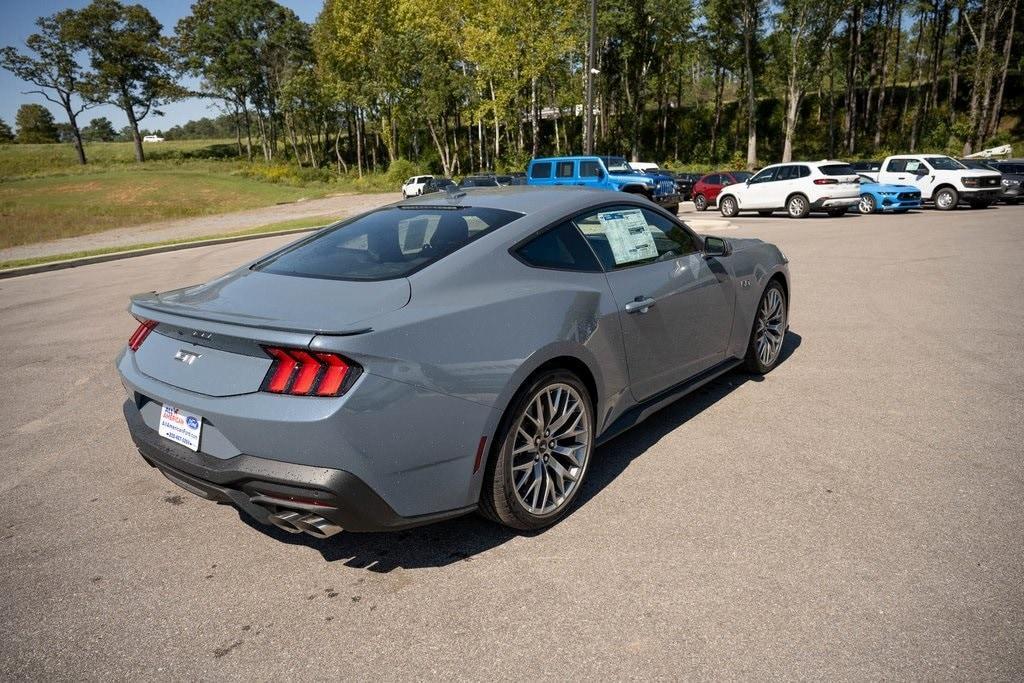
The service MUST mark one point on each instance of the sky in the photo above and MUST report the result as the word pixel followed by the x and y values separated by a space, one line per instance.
pixel 17 22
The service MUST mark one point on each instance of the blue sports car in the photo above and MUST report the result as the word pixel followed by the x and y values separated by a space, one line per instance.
pixel 876 196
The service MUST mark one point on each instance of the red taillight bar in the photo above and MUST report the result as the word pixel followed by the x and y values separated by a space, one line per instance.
pixel 301 373
pixel 140 333
pixel 826 181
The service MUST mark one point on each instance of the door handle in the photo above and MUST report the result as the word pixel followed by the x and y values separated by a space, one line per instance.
pixel 639 305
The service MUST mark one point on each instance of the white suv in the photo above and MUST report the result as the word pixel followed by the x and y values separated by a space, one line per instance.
pixel 413 187
pixel 797 187
pixel 943 180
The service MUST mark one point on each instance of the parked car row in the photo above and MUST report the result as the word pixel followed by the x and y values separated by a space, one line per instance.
pixel 425 184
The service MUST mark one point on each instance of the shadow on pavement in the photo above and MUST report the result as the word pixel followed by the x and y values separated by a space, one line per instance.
pixel 441 544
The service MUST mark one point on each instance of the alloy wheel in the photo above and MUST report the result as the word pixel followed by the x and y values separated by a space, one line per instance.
pixel 797 206
pixel 867 203
pixel 944 200
pixel 771 327
pixel 550 449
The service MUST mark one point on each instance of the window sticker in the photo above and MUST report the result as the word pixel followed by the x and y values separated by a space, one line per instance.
pixel 629 236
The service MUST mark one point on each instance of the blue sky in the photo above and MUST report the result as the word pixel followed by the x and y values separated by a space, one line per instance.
pixel 17 21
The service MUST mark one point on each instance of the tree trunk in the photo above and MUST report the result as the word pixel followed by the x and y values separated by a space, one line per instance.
pixel 497 124
pixel 750 27
pixel 129 110
pixel 77 134
pixel 359 142
pixel 534 126
pixel 719 88
pixel 997 109
pixel 980 44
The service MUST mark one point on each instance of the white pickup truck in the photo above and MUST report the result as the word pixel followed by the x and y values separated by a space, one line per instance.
pixel 943 180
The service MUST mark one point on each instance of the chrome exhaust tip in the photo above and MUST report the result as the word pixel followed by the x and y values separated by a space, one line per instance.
pixel 314 525
pixel 287 521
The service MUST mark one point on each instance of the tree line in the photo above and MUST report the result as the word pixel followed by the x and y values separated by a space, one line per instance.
pixel 464 86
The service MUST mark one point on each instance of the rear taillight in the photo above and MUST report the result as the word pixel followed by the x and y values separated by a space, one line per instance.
pixel 140 334
pixel 305 373
pixel 826 181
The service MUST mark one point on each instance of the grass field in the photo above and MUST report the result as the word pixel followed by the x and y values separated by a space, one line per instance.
pixel 46 195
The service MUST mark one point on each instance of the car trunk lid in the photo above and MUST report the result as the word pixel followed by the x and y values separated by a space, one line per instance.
pixel 210 338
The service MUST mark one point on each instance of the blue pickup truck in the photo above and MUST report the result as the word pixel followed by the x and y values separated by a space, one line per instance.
pixel 603 173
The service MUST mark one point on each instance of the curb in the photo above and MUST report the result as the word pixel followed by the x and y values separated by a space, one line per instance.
pixel 131 253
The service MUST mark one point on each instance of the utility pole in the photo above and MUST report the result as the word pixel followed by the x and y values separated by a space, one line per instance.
pixel 588 122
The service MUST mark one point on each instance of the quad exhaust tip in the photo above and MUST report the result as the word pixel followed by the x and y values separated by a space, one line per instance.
pixel 301 522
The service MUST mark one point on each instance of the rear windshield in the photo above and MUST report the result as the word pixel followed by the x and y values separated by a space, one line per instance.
pixel 944 163
pixel 388 243
pixel 837 169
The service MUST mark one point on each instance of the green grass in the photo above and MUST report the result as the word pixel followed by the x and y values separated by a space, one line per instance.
pixel 45 194
pixel 297 225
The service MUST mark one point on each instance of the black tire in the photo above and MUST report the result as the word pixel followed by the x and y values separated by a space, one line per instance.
pixel 797 206
pixel 752 361
pixel 674 209
pixel 979 204
pixel 765 213
pixel 700 203
pixel 728 207
pixel 946 199
pixel 498 499
pixel 867 203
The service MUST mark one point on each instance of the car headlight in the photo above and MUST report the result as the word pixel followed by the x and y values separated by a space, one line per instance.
pixel 969 181
pixel 1007 181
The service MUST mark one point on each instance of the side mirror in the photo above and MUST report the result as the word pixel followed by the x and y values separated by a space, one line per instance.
pixel 725 182
pixel 716 246
pixel 748 180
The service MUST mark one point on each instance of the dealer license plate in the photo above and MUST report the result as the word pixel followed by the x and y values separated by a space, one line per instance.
pixel 180 427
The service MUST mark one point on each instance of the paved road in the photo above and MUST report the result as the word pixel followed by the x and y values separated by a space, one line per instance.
pixel 859 513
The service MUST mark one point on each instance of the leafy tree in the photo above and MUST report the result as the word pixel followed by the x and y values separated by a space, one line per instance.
pixel 53 68
pixel 99 130
pixel 35 124
pixel 6 134
pixel 244 50
pixel 130 61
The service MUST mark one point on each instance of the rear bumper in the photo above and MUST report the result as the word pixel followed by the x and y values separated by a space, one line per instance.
pixel 834 203
pixel 262 487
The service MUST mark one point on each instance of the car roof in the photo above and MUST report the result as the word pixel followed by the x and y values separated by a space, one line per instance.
pixel 527 199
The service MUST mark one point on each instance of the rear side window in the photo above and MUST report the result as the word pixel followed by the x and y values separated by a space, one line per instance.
pixel 565 169
pixel 837 169
pixel 561 247
pixel 896 165
pixel 787 173
pixel 541 169
pixel 386 244
pixel 628 235
pixel 589 169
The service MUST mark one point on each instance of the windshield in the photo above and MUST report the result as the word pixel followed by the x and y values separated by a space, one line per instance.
pixel 944 163
pixel 386 244
pixel 617 165
pixel 837 169
pixel 742 176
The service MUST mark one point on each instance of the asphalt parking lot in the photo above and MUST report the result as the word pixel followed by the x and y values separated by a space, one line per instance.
pixel 858 513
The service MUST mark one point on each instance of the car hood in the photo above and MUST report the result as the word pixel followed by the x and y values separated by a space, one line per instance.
pixel 282 302
pixel 887 187
pixel 624 178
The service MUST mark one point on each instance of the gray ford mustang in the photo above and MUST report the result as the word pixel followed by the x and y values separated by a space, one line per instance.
pixel 446 354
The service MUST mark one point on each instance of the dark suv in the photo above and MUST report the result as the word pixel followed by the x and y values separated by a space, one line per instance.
pixel 1013 176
